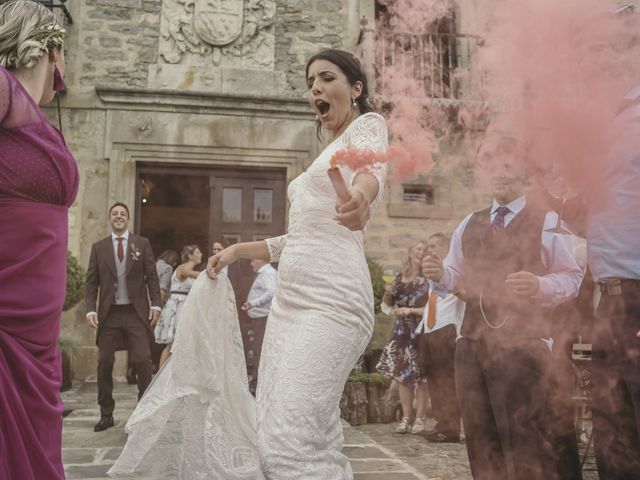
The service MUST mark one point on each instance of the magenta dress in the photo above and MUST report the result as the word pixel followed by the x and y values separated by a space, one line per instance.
pixel 38 183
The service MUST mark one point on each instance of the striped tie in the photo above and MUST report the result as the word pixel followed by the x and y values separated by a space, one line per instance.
pixel 498 221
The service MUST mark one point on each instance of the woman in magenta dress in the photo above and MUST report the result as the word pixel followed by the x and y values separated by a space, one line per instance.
pixel 38 183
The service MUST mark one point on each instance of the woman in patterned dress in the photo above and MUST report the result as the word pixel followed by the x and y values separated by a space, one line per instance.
pixel 181 282
pixel 405 298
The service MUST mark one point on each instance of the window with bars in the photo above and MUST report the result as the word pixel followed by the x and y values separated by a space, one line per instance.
pixel 418 194
pixel 437 58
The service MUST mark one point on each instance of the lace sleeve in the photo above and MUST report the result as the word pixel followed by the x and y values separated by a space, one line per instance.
pixel 5 96
pixel 369 133
pixel 275 246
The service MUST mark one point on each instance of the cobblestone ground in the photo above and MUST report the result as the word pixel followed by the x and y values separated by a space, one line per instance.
pixel 376 452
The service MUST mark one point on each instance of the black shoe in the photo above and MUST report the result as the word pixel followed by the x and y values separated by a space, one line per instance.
pixel 104 423
pixel 439 437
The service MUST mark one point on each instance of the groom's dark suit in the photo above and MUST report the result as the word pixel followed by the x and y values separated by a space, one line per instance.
pixel 122 323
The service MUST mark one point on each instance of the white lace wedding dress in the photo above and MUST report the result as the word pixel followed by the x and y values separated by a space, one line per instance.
pixel 198 419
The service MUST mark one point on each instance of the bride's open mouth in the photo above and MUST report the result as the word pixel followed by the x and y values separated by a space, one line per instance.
pixel 323 108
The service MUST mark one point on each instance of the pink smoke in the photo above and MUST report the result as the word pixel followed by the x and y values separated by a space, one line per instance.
pixel 556 73
pixel 410 123
pixel 405 157
pixel 416 15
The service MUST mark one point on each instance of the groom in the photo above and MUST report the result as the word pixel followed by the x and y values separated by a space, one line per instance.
pixel 122 268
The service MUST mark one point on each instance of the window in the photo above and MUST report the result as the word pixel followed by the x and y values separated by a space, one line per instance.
pixel 262 205
pixel 418 194
pixel 232 205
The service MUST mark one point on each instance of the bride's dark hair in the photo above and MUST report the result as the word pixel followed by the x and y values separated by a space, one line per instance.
pixel 353 70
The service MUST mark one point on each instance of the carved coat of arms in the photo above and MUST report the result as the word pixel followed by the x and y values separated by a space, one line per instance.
pixel 218 22
pixel 227 33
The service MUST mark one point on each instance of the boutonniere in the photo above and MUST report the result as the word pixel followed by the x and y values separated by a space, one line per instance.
pixel 135 253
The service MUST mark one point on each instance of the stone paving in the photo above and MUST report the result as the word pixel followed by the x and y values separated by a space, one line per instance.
pixel 376 452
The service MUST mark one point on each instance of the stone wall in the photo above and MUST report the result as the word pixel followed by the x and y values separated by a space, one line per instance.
pixel 123 47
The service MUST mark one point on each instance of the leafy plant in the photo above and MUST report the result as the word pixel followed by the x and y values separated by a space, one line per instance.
pixel 377 281
pixel 70 344
pixel 75 282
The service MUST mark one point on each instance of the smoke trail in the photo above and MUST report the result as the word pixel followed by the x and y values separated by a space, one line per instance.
pixel 416 15
pixel 403 76
pixel 556 75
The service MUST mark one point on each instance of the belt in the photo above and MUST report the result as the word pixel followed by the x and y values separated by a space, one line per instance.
pixel 618 286
pixel 178 293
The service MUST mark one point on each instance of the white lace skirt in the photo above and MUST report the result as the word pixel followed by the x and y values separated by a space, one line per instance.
pixel 196 420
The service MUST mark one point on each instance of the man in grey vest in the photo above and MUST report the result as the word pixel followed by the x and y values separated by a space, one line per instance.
pixel 122 269
pixel 510 270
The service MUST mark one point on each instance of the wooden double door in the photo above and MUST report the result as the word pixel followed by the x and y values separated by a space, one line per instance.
pixel 179 206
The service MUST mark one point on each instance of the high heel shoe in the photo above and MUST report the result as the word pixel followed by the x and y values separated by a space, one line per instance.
pixel 418 426
pixel 404 426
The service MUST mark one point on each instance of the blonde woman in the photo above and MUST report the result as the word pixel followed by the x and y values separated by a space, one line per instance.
pixel 405 298
pixel 38 183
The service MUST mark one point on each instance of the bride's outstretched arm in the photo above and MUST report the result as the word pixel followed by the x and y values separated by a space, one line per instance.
pixel 355 213
pixel 247 250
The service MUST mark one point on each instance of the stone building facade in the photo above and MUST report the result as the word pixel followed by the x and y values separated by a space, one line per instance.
pixel 210 95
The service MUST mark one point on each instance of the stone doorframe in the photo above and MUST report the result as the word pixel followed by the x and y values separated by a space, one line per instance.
pixel 201 129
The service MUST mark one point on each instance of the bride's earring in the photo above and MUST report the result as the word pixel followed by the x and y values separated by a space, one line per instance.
pixel 354 104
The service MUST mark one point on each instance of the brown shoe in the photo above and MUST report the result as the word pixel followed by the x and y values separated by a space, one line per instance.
pixel 105 422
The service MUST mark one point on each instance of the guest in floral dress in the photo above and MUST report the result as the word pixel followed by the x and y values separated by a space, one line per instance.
pixel 405 298
pixel 165 265
pixel 181 282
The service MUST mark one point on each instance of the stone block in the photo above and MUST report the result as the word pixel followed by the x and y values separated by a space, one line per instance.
pixel 111 454
pixel 86 472
pixel 364 452
pixel 355 438
pixel 112 12
pixel 252 82
pixel 78 455
pixel 374 465
pixel 112 437
pixel 110 42
pixel 184 78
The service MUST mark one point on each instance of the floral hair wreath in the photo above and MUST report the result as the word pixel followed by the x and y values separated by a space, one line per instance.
pixel 47 37
pixel 51 36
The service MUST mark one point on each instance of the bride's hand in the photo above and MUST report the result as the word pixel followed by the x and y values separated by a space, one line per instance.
pixel 355 213
pixel 220 260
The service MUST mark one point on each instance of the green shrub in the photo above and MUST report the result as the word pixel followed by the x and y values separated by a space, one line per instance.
pixel 75 282
pixel 377 281
pixel 70 344
pixel 381 332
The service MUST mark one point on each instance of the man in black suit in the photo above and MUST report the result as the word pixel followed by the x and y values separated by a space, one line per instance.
pixel 122 269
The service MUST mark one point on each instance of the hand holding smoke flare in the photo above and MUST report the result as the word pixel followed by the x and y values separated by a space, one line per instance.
pixel 413 156
pixel 357 160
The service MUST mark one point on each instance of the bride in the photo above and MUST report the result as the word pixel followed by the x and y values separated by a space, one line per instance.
pixel 198 419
